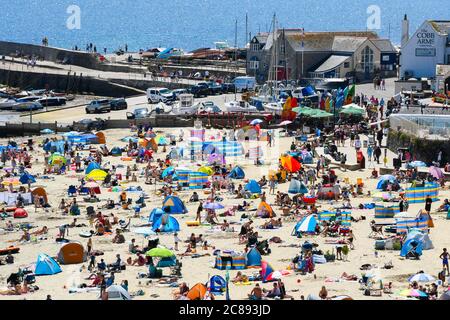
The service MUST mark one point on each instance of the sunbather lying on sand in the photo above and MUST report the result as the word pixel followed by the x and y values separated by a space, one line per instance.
pixel 349 277
pixel 42 231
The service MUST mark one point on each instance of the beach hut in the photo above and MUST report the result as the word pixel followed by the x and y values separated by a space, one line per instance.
pixel 265 210
pixel 386 211
pixel 419 194
pixel 40 192
pixel 171 224
pixel 237 173
pixel 253 187
pixel 254 258
pixel 91 167
pixel 197 292
pixel 217 284
pixel 175 204
pixel 72 253
pixel 46 265
pixel 306 225
pixel 116 292
pixel 296 187
pixel 155 215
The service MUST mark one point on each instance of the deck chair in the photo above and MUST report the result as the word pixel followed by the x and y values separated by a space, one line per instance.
pixel 72 191
pixel 125 226
pixel 376 231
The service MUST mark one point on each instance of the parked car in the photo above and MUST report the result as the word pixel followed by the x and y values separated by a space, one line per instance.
pixel 228 88
pixel 27 106
pixel 200 90
pixel 244 83
pixel 177 92
pixel 155 95
pixel 87 125
pixel 98 106
pixel 119 104
pixel 214 87
pixel 52 101
pixel 139 113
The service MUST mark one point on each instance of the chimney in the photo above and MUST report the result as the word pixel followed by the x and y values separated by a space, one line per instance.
pixel 405 31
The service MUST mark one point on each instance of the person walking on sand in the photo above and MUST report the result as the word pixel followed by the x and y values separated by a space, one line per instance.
pixel 176 240
pixel 199 213
pixel 428 202
pixel 445 256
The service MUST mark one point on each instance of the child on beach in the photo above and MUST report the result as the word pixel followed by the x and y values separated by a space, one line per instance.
pixel 176 240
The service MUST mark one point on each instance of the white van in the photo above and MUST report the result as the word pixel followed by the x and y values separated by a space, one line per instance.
pixel 244 83
pixel 155 95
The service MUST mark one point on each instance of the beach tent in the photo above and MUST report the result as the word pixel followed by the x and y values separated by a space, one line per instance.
pixel 161 140
pixel 290 164
pixel 410 245
pixel 83 139
pixel 419 194
pixel 116 152
pixel 383 180
pixel 253 187
pixel 422 237
pixel 54 146
pixel 237 173
pixel 72 253
pixel 101 139
pixel 253 258
pixel 306 225
pixel 92 166
pixel 167 262
pixel 20 213
pixel 171 224
pixel 175 204
pixel 197 292
pixel 217 285
pixel 265 210
pixel 296 187
pixel 207 170
pixel 168 172
pixel 155 215
pixel 385 211
pixel 57 159
pixel 26 178
pixel 116 292
pixel 40 192
pixel 46 265
pixel 266 270
pixel 96 175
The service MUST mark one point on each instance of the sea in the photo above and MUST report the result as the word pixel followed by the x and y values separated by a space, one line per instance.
pixel 192 24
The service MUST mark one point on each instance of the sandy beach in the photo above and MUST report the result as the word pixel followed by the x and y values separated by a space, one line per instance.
pixel 195 270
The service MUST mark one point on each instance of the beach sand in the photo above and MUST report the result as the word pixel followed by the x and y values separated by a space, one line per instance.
pixel 200 269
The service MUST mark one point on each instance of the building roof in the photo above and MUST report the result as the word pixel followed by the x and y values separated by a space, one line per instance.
pixel 384 45
pixel 331 63
pixel 440 26
pixel 347 44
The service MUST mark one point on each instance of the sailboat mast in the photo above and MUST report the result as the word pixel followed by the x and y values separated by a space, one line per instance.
pixel 235 57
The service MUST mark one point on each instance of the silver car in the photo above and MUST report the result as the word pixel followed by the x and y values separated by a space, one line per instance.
pixel 98 106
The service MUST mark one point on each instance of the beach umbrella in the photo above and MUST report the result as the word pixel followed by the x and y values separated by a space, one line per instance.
pixel 56 158
pixel 354 106
pixel 207 170
pixel 132 139
pixel 145 231
pixel 436 172
pixel 159 252
pixel 11 181
pixel 301 110
pixel 91 185
pixel 70 133
pixel 254 122
pixel 417 164
pixel 213 205
pixel 277 275
pixel 352 111
pixel 317 113
pixel 47 131
pixel 290 164
pixel 285 123
pixel 412 293
pixel 97 175
pixel 421 277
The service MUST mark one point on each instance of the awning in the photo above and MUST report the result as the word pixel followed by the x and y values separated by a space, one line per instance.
pixel 332 63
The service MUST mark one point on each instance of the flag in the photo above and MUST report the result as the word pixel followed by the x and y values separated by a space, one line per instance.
pixel 350 95
pixel 327 104
pixel 339 101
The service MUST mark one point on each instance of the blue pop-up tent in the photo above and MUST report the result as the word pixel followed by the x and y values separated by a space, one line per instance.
pixel 171 224
pixel 217 285
pixel 412 245
pixel 237 173
pixel 155 215
pixel 306 225
pixel 253 187
pixel 254 258
pixel 92 166
pixel 175 205
pixel 296 187
pixel 26 178
pixel 46 265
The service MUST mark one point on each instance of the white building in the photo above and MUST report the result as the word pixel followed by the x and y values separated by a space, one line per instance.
pixel 428 47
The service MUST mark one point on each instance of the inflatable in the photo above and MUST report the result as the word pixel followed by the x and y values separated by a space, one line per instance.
pixel 85 234
pixel 192 223
pixel 9 250
pixel 20 213
pixel 126 158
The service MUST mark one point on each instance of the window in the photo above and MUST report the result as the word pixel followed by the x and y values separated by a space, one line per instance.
pixel 425 52
pixel 254 63
pixel 385 58
pixel 346 64
pixel 254 47
pixel 367 59
pixel 282 49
